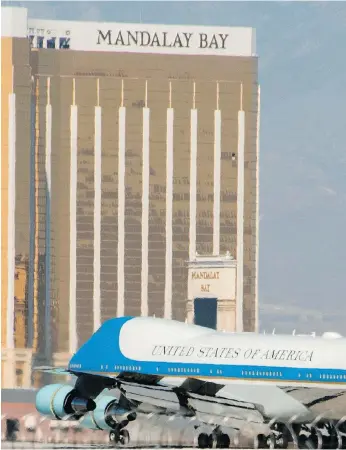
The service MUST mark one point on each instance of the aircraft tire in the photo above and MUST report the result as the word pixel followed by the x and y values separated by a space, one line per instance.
pixel 260 441
pixel 113 437
pixel 282 441
pixel 306 442
pixel 223 441
pixel 121 437
pixel 343 442
pixel 203 440
pixel 124 437
pixel 271 442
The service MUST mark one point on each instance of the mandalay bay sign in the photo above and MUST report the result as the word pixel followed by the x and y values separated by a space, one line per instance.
pixel 128 38
pixel 175 39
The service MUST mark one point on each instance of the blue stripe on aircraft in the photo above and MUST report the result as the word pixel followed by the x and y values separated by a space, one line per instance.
pixel 101 353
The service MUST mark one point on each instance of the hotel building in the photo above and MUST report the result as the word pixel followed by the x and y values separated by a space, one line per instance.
pixel 129 178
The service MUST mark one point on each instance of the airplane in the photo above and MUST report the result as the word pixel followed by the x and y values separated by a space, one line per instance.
pixel 290 387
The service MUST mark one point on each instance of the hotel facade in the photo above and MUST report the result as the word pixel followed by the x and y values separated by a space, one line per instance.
pixel 129 179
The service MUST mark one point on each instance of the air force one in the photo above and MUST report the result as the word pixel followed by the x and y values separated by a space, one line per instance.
pixel 287 387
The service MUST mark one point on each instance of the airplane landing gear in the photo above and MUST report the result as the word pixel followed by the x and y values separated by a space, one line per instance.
pixel 270 441
pixel 318 436
pixel 216 439
pixel 278 438
pixel 119 437
pixel 322 435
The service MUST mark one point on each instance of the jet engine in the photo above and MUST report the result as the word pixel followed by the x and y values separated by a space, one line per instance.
pixel 59 401
pixel 108 415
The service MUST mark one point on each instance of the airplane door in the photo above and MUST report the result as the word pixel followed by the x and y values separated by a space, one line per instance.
pixel 205 312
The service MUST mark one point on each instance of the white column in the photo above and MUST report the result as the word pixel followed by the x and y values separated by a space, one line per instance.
pixel 121 211
pixel 240 221
pixel 257 202
pixel 73 230
pixel 217 181
pixel 32 225
pixel 193 183
pixel 97 220
pixel 11 217
pixel 47 325
pixel 145 212
pixel 169 214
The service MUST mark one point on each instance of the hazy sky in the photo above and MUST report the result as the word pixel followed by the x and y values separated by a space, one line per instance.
pixel 302 72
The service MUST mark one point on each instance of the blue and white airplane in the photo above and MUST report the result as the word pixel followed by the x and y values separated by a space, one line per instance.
pixel 289 387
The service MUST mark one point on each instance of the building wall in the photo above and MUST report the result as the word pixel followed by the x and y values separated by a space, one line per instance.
pixel 22 89
pixel 135 82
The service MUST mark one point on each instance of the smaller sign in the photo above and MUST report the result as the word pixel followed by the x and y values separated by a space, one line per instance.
pixel 218 283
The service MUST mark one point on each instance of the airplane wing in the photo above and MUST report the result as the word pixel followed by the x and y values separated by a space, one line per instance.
pixel 326 403
pixel 180 396
pixel 210 410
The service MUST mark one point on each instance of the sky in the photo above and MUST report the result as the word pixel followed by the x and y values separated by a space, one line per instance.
pixel 302 72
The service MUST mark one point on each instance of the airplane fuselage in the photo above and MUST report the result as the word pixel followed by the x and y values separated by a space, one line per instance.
pixel 173 349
